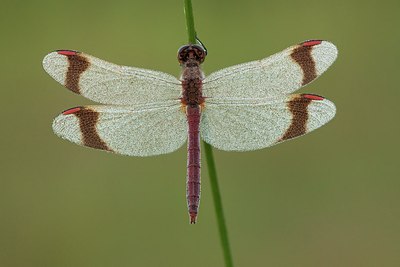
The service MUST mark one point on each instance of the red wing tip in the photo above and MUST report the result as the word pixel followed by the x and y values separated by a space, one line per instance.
pixel 68 52
pixel 193 217
pixel 311 42
pixel 71 111
pixel 313 97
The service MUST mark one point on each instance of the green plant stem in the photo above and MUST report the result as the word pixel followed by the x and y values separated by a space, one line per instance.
pixel 212 172
pixel 190 21
pixel 223 233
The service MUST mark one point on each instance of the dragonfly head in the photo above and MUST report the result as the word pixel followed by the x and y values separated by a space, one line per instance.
pixel 191 52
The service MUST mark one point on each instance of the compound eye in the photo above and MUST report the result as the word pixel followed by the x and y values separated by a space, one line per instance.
pixel 182 53
pixel 198 49
pixel 182 48
pixel 200 52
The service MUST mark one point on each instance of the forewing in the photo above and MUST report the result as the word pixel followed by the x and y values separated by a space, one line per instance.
pixel 107 83
pixel 133 131
pixel 254 125
pixel 273 76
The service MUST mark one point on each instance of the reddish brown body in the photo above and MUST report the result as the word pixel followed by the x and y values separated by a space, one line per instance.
pixel 193 162
pixel 190 57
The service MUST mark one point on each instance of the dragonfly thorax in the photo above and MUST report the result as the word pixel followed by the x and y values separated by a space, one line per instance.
pixel 191 90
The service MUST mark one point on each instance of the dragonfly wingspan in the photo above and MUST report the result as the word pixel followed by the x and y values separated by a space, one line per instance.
pixel 127 130
pixel 107 83
pixel 252 125
pixel 279 74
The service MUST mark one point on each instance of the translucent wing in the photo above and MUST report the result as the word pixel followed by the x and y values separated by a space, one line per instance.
pixel 107 83
pixel 251 125
pixel 127 130
pixel 276 75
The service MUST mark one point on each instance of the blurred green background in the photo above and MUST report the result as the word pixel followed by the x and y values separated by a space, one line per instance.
pixel 330 198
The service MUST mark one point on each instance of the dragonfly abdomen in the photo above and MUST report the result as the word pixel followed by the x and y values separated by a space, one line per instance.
pixel 193 161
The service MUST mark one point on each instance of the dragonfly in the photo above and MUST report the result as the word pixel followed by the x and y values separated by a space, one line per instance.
pixel 144 112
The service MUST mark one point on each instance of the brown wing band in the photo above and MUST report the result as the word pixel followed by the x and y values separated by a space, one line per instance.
pixel 77 65
pixel 302 56
pixel 87 122
pixel 298 107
